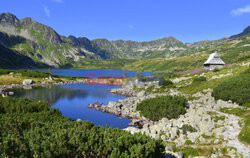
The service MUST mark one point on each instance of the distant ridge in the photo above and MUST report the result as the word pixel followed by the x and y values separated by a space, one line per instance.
pixel 44 46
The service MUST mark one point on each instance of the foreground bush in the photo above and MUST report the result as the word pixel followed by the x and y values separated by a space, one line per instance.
pixel 162 106
pixel 31 131
pixel 236 89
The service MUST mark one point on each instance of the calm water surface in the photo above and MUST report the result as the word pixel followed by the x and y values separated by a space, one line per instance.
pixel 83 72
pixel 72 99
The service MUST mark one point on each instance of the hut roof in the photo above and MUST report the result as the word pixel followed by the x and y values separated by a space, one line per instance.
pixel 214 58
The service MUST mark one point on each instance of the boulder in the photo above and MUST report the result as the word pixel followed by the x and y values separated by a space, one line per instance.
pixel 219 131
pixel 11 93
pixel 163 137
pixel 141 94
pixel 50 78
pixel 1 90
pixel 27 87
pixel 192 136
pixel 174 132
pixel 27 82
pixel 169 148
pixel 78 120
pixel 111 104
pixel 132 130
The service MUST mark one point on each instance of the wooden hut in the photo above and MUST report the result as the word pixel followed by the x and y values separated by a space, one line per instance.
pixel 214 61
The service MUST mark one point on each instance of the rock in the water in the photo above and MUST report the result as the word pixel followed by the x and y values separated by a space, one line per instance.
pixel 11 93
pixel 27 82
pixel 27 87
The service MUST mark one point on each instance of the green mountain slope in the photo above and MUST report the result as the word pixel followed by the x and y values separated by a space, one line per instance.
pixel 44 46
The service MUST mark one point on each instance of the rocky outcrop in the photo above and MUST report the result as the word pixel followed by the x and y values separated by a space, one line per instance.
pixel 27 82
pixel 210 126
pixel 201 116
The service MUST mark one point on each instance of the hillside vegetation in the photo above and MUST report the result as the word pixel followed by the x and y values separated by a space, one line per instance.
pixel 32 129
pixel 236 89
pixel 162 106
pixel 41 46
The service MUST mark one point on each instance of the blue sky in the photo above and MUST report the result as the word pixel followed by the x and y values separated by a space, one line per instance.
pixel 139 20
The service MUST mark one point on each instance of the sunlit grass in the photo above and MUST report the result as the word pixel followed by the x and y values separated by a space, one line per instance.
pixel 7 79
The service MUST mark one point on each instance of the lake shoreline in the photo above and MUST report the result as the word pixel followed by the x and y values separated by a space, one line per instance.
pixel 125 108
pixel 4 90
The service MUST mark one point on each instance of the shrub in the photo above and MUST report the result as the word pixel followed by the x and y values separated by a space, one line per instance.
pixel 138 74
pixel 236 89
pixel 21 105
pixel 187 151
pixel 5 71
pixel 216 70
pixel 35 74
pixel 166 82
pixel 27 73
pixel 188 142
pixel 38 131
pixel 162 106
pixel 200 79
pixel 188 128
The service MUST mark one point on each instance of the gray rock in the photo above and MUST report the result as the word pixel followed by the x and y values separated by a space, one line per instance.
pixel 141 94
pixel 180 155
pixel 50 78
pixel 27 87
pixel 174 132
pixel 169 148
pixel 163 137
pixel 11 93
pixel 27 82
pixel 1 90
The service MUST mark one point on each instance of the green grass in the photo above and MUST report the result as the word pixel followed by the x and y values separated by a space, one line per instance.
pixel 199 86
pixel 188 128
pixel 19 75
pixel 236 89
pixel 188 142
pixel 187 151
pixel 215 116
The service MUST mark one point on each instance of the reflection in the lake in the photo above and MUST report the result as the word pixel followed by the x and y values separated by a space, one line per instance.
pixel 72 99
pixel 50 93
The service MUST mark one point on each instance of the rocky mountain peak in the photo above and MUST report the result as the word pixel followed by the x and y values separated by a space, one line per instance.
pixel 246 30
pixel 27 21
pixel 8 18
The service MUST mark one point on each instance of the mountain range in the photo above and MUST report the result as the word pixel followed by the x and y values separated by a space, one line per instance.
pixel 28 43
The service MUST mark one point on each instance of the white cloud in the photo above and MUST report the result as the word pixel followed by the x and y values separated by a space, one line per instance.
pixel 46 10
pixel 239 11
pixel 130 26
pixel 58 1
